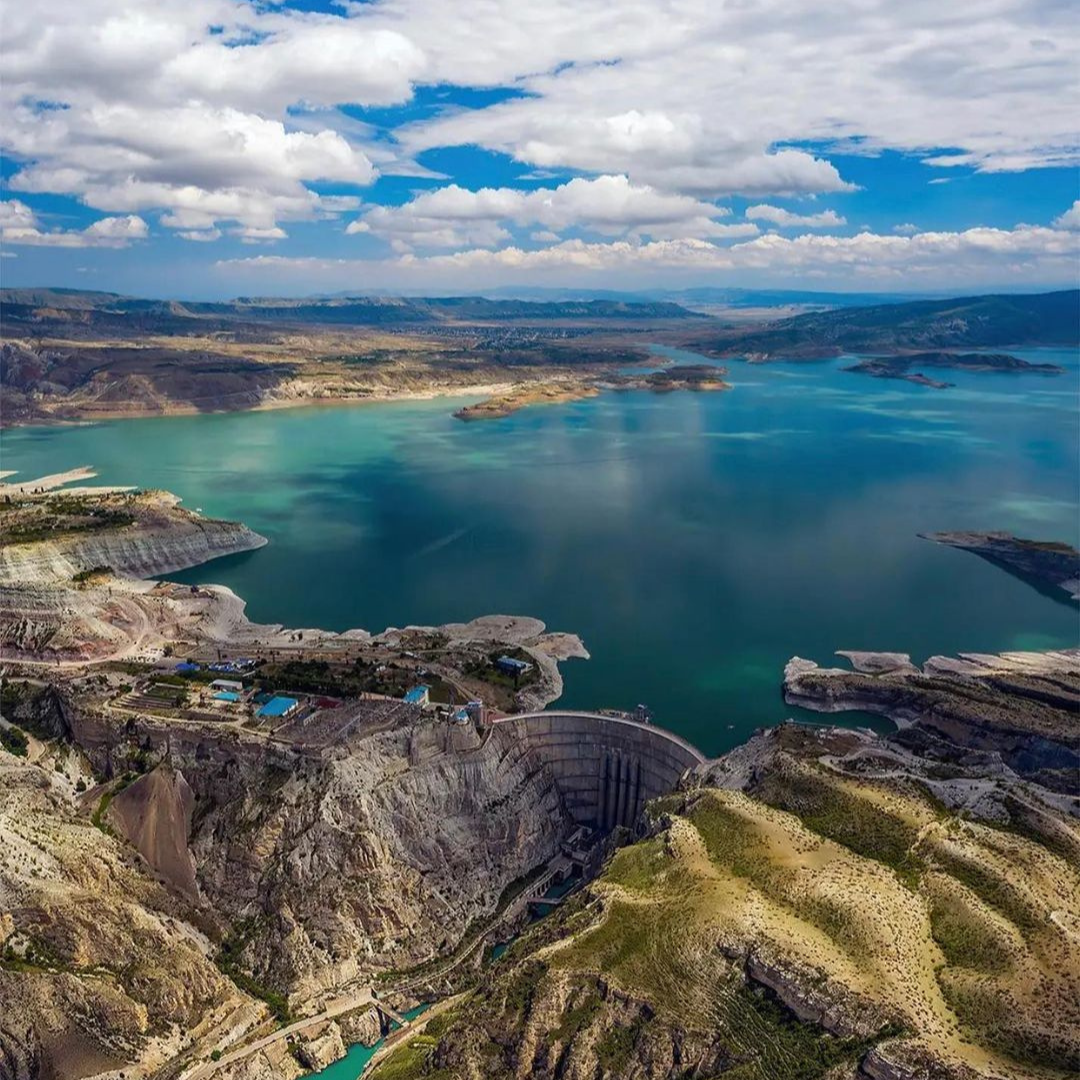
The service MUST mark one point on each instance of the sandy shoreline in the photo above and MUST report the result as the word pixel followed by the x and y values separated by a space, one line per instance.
pixel 478 390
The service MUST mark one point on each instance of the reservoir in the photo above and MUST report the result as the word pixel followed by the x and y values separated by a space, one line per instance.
pixel 695 541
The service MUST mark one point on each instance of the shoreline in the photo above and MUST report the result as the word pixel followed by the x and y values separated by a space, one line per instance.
pixel 479 390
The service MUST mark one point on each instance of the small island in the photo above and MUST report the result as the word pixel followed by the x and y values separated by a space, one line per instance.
pixel 902 365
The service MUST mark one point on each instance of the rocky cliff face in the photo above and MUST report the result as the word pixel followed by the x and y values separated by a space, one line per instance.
pixel 328 866
pixel 161 539
pixel 100 965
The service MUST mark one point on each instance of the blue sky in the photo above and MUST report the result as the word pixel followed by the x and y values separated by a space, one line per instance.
pixel 219 148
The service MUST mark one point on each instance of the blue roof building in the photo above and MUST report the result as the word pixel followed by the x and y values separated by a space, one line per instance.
pixel 278 706
pixel 513 666
pixel 418 695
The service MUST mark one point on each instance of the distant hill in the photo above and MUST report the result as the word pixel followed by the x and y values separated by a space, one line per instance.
pixel 111 310
pixel 968 322
pixel 711 295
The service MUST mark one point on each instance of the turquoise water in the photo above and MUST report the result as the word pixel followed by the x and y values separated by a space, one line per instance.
pixel 358 1055
pixel 695 541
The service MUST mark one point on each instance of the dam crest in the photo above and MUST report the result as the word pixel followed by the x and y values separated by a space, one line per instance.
pixel 605 767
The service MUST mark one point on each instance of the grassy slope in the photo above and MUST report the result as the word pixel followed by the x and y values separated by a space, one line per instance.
pixel 868 896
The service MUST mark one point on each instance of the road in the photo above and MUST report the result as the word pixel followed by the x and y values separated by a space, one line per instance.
pixel 335 1008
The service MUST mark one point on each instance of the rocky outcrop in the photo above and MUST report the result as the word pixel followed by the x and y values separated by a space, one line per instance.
pixel 154 815
pixel 1022 707
pixel 322 1050
pixel 1046 564
pixel 814 1000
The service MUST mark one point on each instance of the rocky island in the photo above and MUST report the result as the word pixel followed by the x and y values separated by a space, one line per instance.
pixel 903 366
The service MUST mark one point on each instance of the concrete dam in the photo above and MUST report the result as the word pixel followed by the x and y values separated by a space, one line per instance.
pixel 606 768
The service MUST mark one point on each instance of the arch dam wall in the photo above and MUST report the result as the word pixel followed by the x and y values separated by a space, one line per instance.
pixel 606 768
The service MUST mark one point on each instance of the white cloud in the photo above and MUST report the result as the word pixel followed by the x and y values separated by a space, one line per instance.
pixel 930 258
pixel 610 205
pixel 906 229
pixel 203 236
pixel 158 112
pixel 1071 218
pixel 786 219
pixel 251 234
pixel 695 97
pixel 19 225
pixel 225 115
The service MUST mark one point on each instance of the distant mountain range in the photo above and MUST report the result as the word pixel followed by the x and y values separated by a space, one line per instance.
pixel 967 322
pixel 711 296
pixel 927 324
pixel 102 309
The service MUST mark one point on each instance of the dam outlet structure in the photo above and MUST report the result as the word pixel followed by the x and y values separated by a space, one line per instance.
pixel 605 767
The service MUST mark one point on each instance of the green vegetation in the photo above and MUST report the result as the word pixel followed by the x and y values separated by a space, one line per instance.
pixel 637 866
pixel 347 680
pixel 990 1013
pixel 990 887
pixel 967 939
pixel 578 1016
pixel 615 1048
pixel 858 824
pixel 733 843
pixel 410 1061
pixel 486 671
pixel 524 985
pixel 228 960
pixel 14 741
pixel 96 571
pixel 789 1049
pixel 32 520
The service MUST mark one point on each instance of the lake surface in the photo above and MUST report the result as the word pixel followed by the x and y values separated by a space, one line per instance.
pixel 695 541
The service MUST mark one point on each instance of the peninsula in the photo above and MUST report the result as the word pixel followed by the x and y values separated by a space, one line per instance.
pixel 1047 564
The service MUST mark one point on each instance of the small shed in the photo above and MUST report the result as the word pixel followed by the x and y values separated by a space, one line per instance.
pixel 512 666
pixel 230 685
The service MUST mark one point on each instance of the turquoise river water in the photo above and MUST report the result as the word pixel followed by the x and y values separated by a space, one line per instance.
pixel 695 541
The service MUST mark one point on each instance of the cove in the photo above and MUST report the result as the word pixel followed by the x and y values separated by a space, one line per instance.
pixel 695 541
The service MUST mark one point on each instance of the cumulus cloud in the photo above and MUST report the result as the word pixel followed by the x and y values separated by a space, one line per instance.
pixel 452 216
pixel 931 258
pixel 183 109
pixel 225 117
pixel 697 97
pixel 20 225
pixel 786 219
pixel 1071 218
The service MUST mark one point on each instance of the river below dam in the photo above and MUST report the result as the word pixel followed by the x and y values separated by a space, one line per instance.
pixel 695 541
